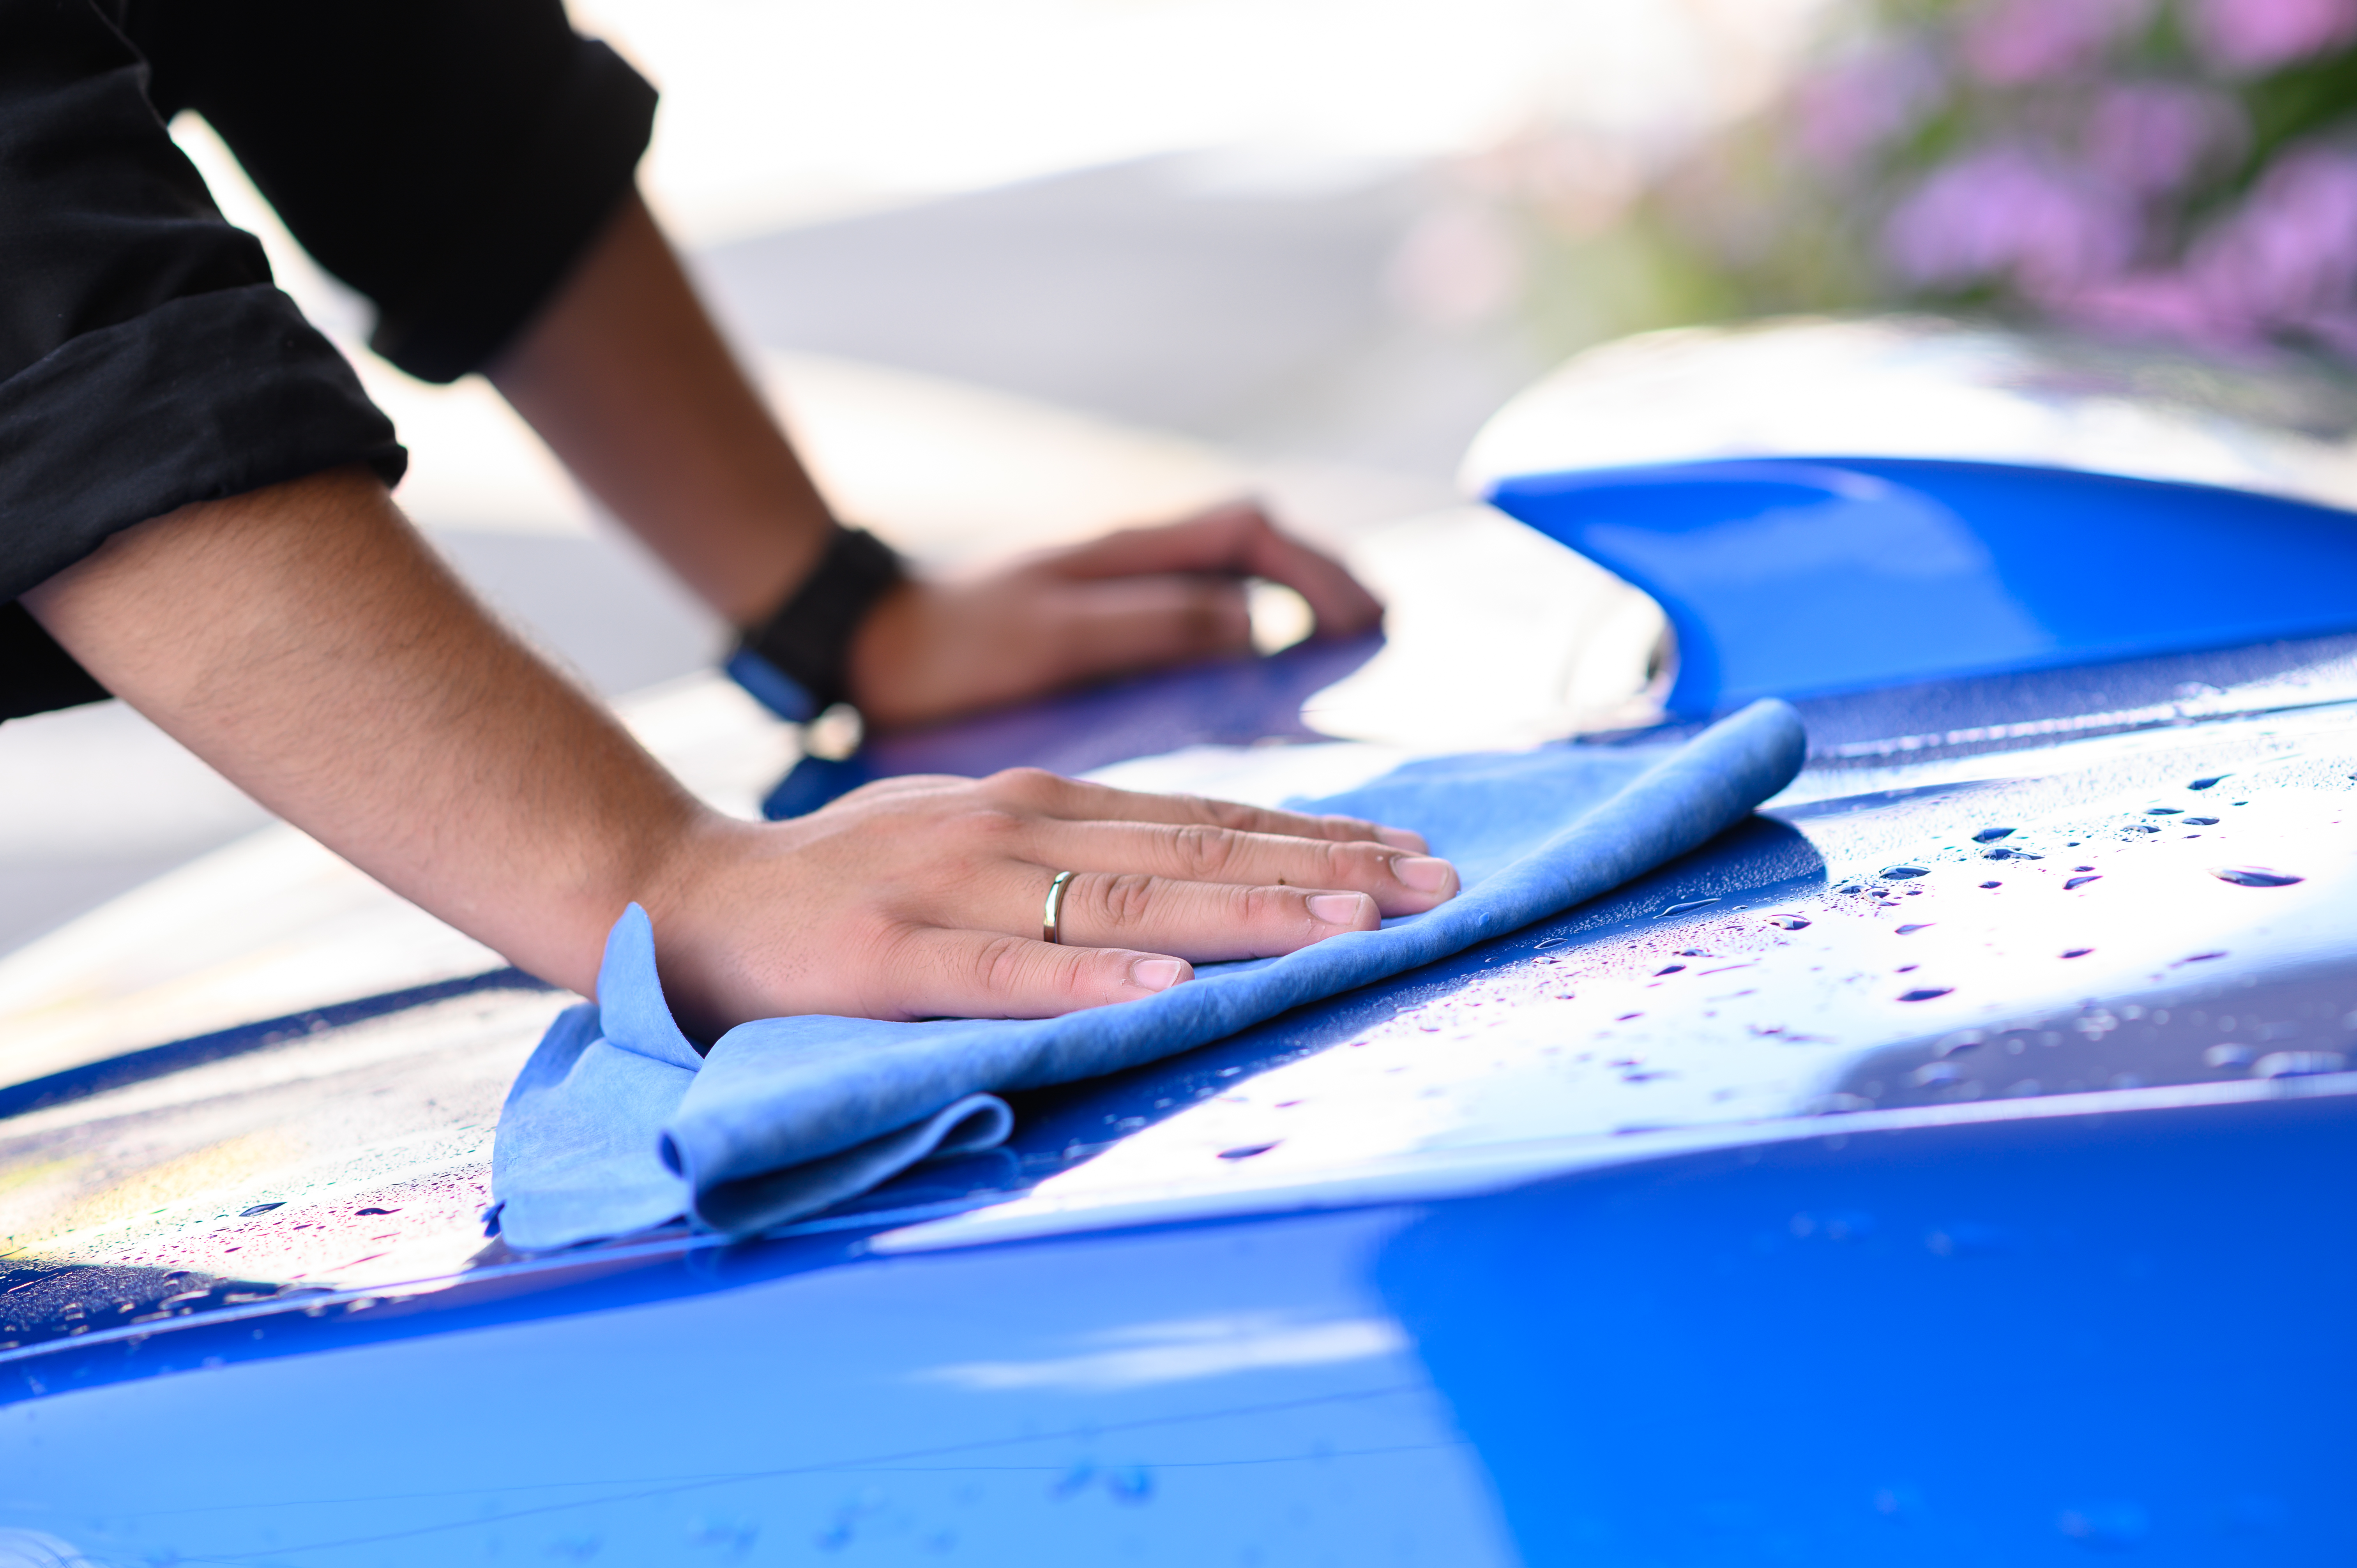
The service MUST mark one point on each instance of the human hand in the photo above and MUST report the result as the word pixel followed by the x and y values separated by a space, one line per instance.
pixel 1138 600
pixel 922 897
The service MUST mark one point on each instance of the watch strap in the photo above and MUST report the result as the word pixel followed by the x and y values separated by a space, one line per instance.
pixel 798 662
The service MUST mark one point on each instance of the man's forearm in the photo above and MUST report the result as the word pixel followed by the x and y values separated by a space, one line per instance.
pixel 304 641
pixel 625 377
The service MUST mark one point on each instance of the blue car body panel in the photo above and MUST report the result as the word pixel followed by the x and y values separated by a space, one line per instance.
pixel 1794 577
pixel 1945 1167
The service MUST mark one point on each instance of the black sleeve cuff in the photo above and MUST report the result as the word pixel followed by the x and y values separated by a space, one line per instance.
pixel 508 255
pixel 36 676
pixel 203 397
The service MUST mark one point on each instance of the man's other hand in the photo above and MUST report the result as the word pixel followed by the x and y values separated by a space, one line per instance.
pixel 1140 599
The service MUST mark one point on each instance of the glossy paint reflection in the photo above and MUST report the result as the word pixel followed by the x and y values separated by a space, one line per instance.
pixel 1213 1395
pixel 1999 1344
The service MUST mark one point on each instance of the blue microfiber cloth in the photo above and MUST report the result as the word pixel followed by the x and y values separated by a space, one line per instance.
pixel 617 1124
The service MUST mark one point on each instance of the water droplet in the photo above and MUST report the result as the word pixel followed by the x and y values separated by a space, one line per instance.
pixel 1246 1150
pixel 1964 1040
pixel 2076 953
pixel 2210 783
pixel 1964 1238
pixel 1669 969
pixel 2254 876
pixel 1626 1017
pixel 2082 869
pixel 1682 909
pixel 732 1533
pixel 1925 993
pixel 1893 1502
pixel 2112 1527
pixel 2079 882
pixel 2203 957
pixel 1931 1074
pixel 1790 922
pixel 2001 852
pixel 1691 953
pixel 376 1211
pixel 2297 1064
pixel 2228 1055
pixel 1992 884
pixel 2164 810
pixel 2201 821
pixel 1907 969
pixel 1990 835
pixel 1918 926
pixel 259 1208
pixel 1131 1484
pixel 1901 873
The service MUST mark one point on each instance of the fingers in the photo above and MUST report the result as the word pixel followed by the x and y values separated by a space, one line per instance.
pixel 1120 935
pixel 1114 627
pixel 1208 922
pixel 1077 800
pixel 942 973
pixel 1394 882
pixel 1235 540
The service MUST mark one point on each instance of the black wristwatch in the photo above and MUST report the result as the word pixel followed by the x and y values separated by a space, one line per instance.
pixel 798 662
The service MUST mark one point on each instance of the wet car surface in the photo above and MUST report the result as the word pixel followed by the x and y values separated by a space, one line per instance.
pixel 1946 1165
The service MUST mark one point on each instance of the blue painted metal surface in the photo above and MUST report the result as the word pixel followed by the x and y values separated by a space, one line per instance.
pixel 2121 1338
pixel 1792 578
pixel 1947 1167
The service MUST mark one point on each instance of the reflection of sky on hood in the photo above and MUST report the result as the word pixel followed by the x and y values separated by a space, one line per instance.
pixel 1914 971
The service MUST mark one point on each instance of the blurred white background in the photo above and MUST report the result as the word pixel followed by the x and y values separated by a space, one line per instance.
pixel 1014 269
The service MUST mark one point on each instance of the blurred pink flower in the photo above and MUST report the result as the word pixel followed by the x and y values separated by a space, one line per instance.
pixel 2148 137
pixel 2007 214
pixel 2287 256
pixel 2282 264
pixel 2254 35
pixel 2168 304
pixel 1863 102
pixel 2012 42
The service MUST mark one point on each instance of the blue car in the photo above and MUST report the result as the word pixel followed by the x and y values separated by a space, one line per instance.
pixel 1948 1164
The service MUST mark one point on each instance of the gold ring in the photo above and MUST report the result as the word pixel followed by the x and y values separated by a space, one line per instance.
pixel 1052 918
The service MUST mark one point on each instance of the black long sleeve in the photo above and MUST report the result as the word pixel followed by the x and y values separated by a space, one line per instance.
pixel 450 158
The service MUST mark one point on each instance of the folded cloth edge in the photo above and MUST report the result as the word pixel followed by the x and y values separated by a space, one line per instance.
pixel 966 1126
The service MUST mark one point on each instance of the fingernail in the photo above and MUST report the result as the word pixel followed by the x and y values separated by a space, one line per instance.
pixel 1425 873
pixel 1400 838
pixel 1157 974
pixel 1336 909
